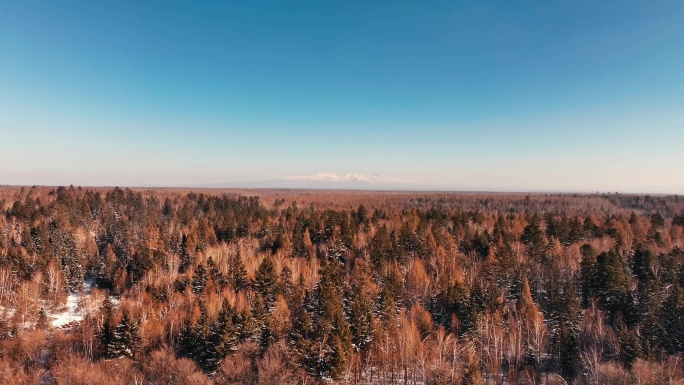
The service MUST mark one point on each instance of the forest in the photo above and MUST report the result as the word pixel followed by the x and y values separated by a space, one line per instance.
pixel 172 286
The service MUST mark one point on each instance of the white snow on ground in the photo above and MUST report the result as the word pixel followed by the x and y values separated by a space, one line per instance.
pixel 72 313
pixel 77 305
pixel 74 310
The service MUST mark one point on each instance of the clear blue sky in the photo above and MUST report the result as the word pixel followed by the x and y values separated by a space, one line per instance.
pixel 505 95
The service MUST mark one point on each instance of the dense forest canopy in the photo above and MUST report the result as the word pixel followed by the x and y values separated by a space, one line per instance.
pixel 121 286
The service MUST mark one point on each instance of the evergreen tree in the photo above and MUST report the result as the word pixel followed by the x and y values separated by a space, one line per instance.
pixel 506 264
pixel 630 348
pixel 204 354
pixel 237 273
pixel 303 340
pixel 199 280
pixel 641 264
pixel 126 339
pixel 650 335
pixel 219 340
pixel 214 273
pixel 575 233
pixel 246 324
pixel 266 337
pixel 185 257
pixel 387 308
pixel 259 315
pixel 591 229
pixel 672 321
pixel 533 238
pixel 225 331
pixel 207 343
pixel 678 219
pixel 612 281
pixel 389 300
pixel 187 343
pixel 361 321
pixel 321 335
pixel 567 318
pixel 657 220
pixel 380 248
pixel 455 301
pixel 587 273
pixel 569 354
pixel 266 283
pixel 105 336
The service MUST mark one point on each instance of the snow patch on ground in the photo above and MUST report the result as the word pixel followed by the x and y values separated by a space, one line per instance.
pixel 78 305
pixel 75 308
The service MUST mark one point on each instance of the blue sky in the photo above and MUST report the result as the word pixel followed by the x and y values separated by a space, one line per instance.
pixel 523 96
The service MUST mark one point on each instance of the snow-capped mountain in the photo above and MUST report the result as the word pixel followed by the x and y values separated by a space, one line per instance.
pixel 330 180
pixel 348 177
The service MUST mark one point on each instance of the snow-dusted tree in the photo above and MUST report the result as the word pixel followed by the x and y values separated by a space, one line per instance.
pixel 266 283
pixel 105 336
pixel 361 321
pixel 126 341
pixel 199 279
pixel 320 334
pixel 237 273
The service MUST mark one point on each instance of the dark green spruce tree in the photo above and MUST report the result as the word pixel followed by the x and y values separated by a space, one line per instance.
pixel 126 341
pixel 105 336
pixel 321 335
pixel 237 273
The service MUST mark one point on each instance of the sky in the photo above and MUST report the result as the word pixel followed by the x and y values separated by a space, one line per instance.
pixel 501 95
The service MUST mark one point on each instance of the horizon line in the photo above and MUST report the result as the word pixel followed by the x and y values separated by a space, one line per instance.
pixel 343 189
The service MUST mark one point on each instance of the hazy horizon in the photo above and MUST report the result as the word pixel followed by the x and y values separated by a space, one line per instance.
pixel 525 96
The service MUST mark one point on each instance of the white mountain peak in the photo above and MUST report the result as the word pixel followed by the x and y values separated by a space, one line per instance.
pixel 348 177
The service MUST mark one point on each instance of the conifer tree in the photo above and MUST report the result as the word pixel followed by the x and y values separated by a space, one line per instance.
pixel 587 273
pixel 630 348
pixel 237 273
pixel 225 330
pixel 266 283
pixel 575 232
pixel 186 340
pixel 214 272
pixel 127 339
pixel 565 320
pixel 678 219
pixel 207 343
pixel 105 336
pixel 199 279
pixel 533 238
pixel 321 335
pixel 302 339
pixel 387 308
pixel 218 341
pixel 612 281
pixel 361 321
pixel 247 325
pixel 381 248
pixel 507 262
pixel 672 321
pixel 185 256
pixel 568 352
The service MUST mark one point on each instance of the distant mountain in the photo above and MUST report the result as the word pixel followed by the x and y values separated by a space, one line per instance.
pixel 330 181
pixel 348 177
